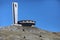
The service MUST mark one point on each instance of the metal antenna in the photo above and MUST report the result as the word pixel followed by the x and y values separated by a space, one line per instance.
pixel 15 12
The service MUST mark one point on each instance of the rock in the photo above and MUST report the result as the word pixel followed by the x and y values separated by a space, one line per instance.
pixel 16 32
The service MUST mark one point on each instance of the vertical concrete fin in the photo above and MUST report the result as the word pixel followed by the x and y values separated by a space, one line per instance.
pixel 15 12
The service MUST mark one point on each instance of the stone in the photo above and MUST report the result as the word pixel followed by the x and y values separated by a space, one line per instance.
pixel 16 32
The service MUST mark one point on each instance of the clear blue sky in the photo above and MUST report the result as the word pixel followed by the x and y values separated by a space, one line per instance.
pixel 46 13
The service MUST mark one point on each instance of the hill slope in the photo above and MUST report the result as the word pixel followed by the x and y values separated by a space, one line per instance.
pixel 17 32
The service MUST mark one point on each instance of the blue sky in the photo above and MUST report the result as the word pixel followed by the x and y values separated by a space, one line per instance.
pixel 46 13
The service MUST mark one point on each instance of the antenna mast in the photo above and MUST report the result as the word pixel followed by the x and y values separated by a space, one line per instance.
pixel 15 12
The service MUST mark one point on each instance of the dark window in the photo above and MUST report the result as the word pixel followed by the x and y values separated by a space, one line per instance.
pixel 15 5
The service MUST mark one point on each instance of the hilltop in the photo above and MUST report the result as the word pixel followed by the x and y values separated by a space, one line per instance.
pixel 16 32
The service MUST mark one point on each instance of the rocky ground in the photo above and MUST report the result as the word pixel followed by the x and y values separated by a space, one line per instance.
pixel 17 32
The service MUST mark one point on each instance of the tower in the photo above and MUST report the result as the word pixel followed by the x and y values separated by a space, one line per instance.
pixel 15 17
pixel 15 12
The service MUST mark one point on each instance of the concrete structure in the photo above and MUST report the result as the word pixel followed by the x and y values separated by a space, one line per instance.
pixel 27 23
pixel 15 12
pixel 15 17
